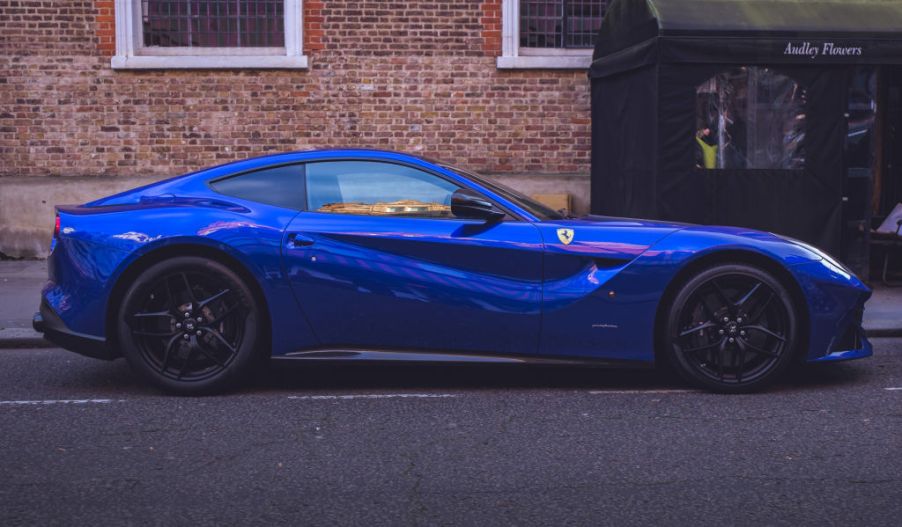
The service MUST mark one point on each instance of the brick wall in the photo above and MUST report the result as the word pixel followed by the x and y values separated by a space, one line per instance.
pixel 416 76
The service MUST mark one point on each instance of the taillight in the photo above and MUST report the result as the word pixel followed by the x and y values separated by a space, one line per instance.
pixel 56 232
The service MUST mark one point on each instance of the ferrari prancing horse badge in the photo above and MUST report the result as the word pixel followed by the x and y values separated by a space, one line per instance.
pixel 565 235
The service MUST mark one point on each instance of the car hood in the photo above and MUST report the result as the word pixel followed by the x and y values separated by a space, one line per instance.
pixel 615 221
pixel 744 233
pixel 701 238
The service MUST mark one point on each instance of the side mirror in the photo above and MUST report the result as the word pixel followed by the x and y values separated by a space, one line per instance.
pixel 468 204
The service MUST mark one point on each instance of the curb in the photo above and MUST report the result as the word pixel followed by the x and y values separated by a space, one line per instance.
pixel 21 338
pixel 883 332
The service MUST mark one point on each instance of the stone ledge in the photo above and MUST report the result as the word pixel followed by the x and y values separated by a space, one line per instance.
pixel 27 206
pixel 26 202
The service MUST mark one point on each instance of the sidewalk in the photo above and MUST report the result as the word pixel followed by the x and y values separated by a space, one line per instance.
pixel 21 282
pixel 883 312
pixel 20 293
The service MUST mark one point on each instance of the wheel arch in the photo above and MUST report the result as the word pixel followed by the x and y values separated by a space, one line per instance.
pixel 729 256
pixel 159 254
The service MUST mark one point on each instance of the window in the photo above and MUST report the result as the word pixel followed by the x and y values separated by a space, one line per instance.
pixel 193 23
pixel 377 189
pixel 750 118
pixel 161 34
pixel 549 33
pixel 559 24
pixel 280 186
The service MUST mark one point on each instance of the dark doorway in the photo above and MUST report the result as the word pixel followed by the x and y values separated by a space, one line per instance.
pixel 888 184
pixel 887 187
pixel 862 164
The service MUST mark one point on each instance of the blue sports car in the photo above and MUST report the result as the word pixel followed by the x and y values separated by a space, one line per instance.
pixel 349 255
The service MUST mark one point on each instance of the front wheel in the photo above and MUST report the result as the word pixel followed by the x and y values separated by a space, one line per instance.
pixel 189 325
pixel 732 328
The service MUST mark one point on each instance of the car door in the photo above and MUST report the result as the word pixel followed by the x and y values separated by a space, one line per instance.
pixel 378 261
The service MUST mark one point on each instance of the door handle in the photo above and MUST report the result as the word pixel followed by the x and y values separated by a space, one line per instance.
pixel 297 239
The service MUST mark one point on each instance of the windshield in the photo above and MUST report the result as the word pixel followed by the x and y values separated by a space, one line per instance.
pixel 532 206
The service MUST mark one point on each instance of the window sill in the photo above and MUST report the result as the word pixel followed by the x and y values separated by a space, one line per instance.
pixel 144 62
pixel 561 62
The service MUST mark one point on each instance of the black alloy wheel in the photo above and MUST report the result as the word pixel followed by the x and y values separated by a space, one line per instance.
pixel 732 328
pixel 189 325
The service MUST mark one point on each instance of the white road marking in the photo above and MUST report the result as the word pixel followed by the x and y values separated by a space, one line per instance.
pixel 59 401
pixel 373 396
pixel 659 392
pixel 894 389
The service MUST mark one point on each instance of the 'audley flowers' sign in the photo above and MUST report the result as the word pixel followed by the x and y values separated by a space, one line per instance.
pixel 826 49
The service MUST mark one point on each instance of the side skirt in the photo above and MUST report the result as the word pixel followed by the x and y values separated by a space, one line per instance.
pixel 361 355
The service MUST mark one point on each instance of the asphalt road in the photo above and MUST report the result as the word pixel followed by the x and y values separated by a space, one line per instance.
pixel 82 442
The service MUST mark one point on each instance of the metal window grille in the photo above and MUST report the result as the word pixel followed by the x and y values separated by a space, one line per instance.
pixel 560 23
pixel 213 23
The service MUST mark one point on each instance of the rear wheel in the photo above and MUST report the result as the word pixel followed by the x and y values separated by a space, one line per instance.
pixel 189 325
pixel 732 328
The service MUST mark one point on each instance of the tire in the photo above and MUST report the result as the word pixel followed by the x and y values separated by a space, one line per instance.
pixel 732 328
pixel 190 326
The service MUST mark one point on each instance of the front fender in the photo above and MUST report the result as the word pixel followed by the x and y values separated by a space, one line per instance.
pixel 631 298
pixel 833 299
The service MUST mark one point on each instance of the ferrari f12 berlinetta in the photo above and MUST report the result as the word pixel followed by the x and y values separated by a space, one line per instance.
pixel 349 255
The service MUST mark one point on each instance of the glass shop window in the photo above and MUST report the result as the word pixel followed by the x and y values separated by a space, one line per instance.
pixel 862 118
pixel 750 118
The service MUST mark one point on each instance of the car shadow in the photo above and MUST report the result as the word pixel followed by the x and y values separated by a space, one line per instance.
pixel 293 378
pixel 827 375
pixel 319 377
pixel 326 377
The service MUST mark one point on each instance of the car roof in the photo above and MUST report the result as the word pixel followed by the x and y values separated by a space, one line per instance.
pixel 306 155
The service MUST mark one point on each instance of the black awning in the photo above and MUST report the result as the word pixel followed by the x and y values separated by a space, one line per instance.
pixel 640 32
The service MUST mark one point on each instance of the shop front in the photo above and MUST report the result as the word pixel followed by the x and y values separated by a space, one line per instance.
pixel 777 115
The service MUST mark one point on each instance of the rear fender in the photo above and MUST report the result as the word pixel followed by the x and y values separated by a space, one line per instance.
pixel 95 251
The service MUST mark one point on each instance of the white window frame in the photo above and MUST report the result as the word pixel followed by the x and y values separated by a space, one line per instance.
pixel 515 57
pixel 131 54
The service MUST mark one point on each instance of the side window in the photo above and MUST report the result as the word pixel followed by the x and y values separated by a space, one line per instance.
pixel 377 189
pixel 280 186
